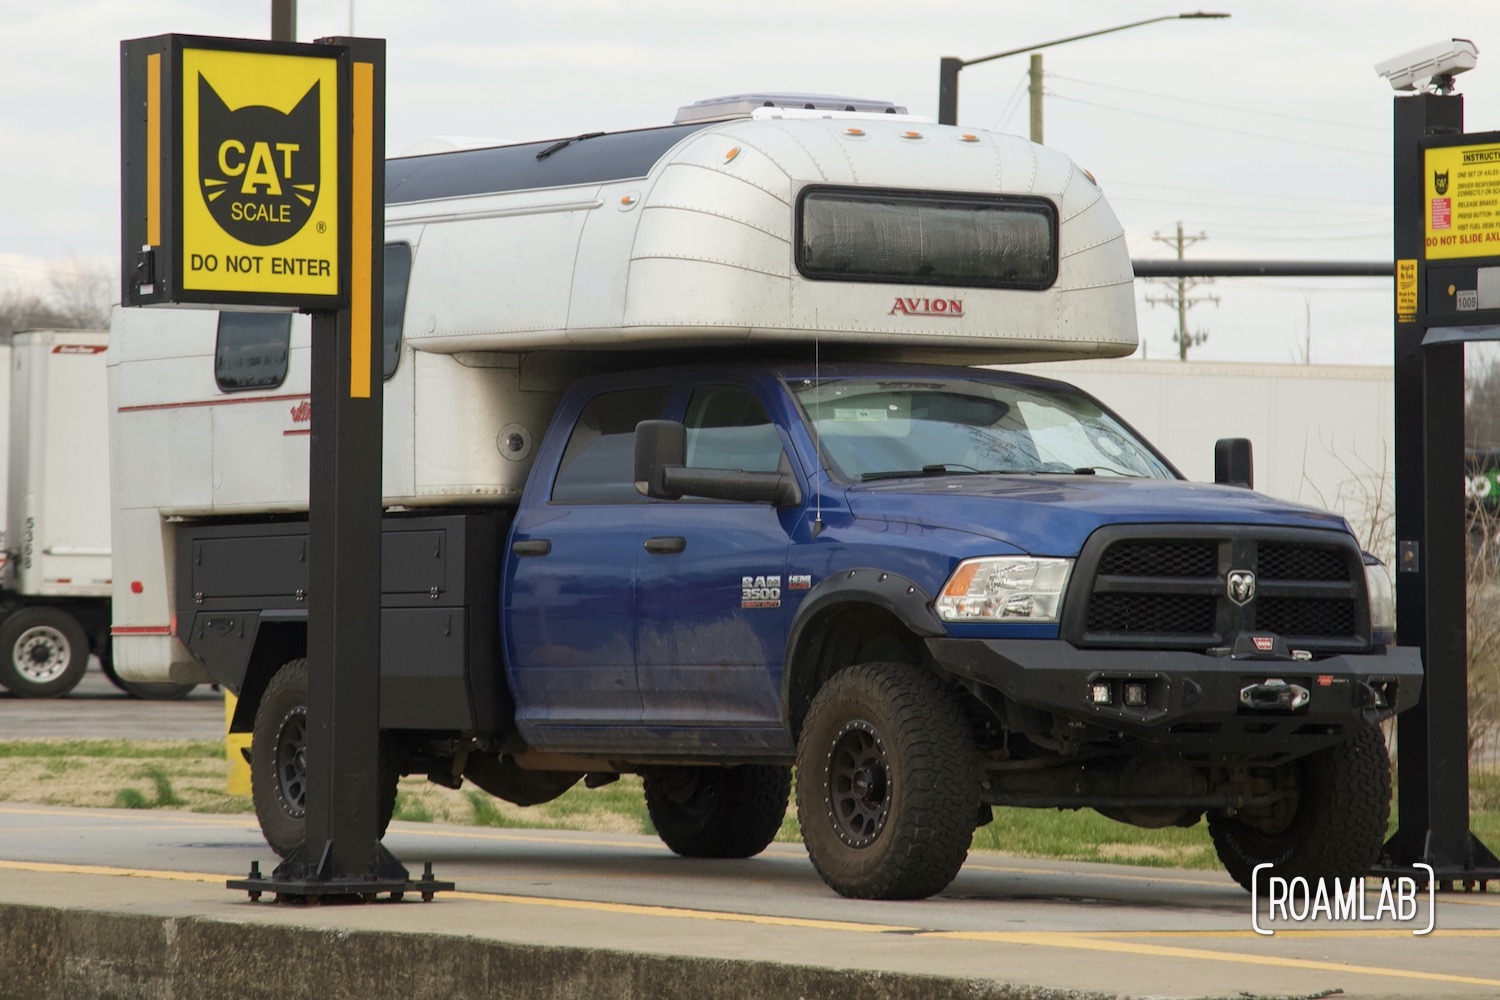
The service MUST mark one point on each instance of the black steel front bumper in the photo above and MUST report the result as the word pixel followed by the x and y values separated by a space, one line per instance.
pixel 1217 708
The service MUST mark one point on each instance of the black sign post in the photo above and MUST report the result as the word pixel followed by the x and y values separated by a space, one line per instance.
pixel 254 175
pixel 1446 261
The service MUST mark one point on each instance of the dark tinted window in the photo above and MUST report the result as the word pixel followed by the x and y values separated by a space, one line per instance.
pixel 727 428
pixel 252 349
pixel 599 462
pixel 397 274
pixel 910 238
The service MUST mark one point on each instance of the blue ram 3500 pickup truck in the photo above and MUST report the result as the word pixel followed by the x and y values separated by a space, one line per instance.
pixel 933 590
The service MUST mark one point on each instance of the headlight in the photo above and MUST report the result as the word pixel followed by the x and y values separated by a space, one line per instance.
pixel 1382 599
pixel 1005 588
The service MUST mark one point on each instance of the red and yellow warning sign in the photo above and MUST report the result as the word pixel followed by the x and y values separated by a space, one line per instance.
pixel 1462 201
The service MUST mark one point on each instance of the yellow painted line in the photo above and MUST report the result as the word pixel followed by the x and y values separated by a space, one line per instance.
pixel 1304 932
pixel 48 868
pixel 1080 943
pixel 643 910
pixel 623 909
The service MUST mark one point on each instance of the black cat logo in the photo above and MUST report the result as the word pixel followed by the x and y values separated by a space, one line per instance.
pixel 1440 181
pixel 259 166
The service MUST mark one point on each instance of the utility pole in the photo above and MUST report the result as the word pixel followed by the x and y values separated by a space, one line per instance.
pixel 1036 98
pixel 1180 299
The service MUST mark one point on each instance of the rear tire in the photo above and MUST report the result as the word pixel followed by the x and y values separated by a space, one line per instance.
pixel 278 765
pixel 887 783
pixel 1335 826
pixel 717 812
pixel 44 653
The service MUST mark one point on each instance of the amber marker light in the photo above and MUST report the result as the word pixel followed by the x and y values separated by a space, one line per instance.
pixel 959 585
pixel 731 154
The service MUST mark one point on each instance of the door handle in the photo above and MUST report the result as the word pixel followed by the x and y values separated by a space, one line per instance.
pixel 532 547
pixel 666 544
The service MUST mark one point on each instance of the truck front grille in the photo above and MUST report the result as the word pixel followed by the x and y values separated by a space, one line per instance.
pixel 1139 587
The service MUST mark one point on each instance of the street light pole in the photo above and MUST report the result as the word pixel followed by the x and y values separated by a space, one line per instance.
pixel 949 66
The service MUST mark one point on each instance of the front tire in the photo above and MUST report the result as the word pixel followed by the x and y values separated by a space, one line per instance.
pixel 717 812
pixel 278 763
pixel 1333 826
pixel 887 783
pixel 44 653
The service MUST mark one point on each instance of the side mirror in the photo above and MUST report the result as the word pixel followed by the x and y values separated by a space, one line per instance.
pixel 1233 464
pixel 661 450
pixel 659 445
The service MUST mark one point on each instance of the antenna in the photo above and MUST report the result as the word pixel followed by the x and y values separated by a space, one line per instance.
pixel 817 525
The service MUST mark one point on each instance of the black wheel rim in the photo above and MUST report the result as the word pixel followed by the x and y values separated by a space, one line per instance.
pixel 291 762
pixel 858 790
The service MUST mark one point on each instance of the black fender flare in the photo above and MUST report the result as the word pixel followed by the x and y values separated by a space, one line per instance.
pixel 898 595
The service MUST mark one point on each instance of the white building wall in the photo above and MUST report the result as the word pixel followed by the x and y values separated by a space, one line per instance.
pixel 1322 435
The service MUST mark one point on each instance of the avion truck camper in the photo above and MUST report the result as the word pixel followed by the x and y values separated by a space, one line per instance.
pixel 686 476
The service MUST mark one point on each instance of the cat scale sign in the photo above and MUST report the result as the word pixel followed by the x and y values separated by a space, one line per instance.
pixel 235 172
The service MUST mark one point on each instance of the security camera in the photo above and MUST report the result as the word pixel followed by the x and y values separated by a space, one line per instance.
pixel 1439 62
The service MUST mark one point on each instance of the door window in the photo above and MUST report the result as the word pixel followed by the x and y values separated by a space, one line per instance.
pixel 598 464
pixel 728 428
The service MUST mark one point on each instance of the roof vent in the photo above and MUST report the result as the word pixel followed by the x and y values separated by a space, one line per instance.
pixel 717 109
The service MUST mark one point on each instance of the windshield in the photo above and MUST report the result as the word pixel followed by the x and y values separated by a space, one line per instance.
pixel 878 428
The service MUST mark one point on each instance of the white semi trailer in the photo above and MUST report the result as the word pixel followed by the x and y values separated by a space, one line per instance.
pixel 55 568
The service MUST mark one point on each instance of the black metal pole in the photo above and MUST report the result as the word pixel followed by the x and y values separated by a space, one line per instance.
pixel 948 68
pixel 342 856
pixel 1431 553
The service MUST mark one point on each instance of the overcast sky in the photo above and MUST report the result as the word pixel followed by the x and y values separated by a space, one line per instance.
pixel 1269 133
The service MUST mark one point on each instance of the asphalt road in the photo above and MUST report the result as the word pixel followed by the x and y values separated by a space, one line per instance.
pixel 1088 927
pixel 99 710
pixel 1107 928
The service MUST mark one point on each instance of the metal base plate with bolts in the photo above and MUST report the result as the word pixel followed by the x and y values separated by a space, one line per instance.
pixel 294 881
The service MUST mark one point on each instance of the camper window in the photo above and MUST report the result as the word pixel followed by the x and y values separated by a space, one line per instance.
pixel 251 350
pixel 921 238
pixel 397 273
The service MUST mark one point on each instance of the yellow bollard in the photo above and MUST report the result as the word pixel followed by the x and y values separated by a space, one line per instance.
pixel 238 780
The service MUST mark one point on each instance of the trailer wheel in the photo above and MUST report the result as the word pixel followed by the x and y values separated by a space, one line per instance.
pixel 717 812
pixel 1331 824
pixel 43 653
pixel 145 692
pixel 278 762
pixel 887 784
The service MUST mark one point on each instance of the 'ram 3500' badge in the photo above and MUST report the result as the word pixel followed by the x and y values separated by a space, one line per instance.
pixel 760 591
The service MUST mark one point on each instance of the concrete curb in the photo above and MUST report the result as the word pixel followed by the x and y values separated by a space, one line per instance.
pixel 49 953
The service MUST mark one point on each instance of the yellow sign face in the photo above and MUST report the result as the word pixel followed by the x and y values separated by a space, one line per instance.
pixel 1406 290
pixel 259 173
pixel 1462 201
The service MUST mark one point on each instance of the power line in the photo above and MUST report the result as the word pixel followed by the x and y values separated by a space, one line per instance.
pixel 1217 128
pixel 1222 107
pixel 1259 209
pixel 1323 199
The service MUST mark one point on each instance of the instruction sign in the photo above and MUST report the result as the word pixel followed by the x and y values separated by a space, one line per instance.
pixel 236 172
pixel 1462 201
